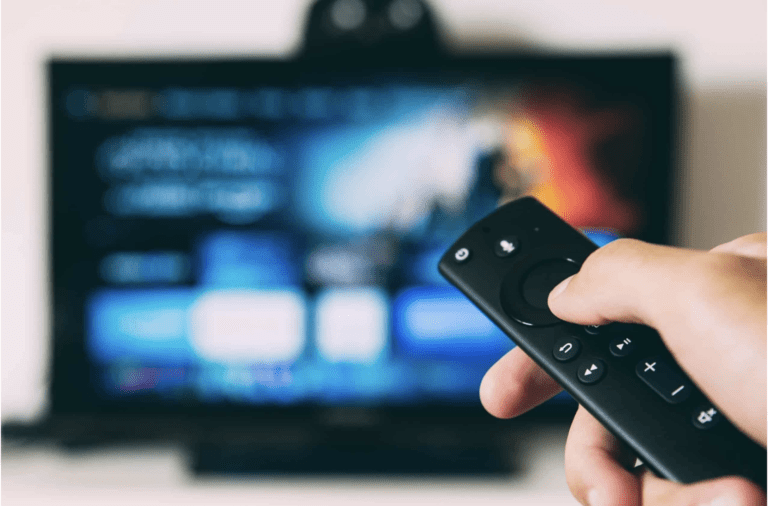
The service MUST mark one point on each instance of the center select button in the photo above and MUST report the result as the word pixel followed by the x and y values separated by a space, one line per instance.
pixel 543 278
pixel 525 288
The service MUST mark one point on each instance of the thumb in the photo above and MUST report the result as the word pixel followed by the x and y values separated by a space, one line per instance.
pixel 629 281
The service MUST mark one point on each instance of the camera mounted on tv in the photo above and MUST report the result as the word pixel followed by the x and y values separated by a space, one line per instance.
pixel 371 28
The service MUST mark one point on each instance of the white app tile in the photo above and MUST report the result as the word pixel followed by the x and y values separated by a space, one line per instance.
pixel 249 326
pixel 352 325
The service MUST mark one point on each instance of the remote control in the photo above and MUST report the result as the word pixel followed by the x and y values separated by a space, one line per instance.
pixel 507 264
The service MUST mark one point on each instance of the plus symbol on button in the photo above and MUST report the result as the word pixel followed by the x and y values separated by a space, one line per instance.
pixel 649 367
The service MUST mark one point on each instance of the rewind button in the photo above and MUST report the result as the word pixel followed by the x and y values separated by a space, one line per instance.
pixel 591 371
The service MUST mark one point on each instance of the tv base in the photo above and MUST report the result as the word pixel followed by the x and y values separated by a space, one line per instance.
pixel 353 458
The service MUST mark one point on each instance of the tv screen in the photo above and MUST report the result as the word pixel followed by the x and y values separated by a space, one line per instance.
pixel 264 235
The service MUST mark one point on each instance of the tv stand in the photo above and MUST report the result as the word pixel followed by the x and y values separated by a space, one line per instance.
pixel 357 454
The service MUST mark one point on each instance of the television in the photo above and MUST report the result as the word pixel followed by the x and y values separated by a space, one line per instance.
pixel 254 242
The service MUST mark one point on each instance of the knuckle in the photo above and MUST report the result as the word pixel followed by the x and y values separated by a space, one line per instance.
pixel 758 237
pixel 702 274
pixel 710 270
pixel 748 239
pixel 752 245
pixel 712 279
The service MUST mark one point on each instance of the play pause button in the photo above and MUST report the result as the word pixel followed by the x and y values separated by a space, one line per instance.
pixel 622 346
pixel 591 371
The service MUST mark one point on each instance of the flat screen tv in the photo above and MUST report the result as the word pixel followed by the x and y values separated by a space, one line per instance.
pixel 257 239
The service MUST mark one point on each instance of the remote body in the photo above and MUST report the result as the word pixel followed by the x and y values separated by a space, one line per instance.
pixel 508 262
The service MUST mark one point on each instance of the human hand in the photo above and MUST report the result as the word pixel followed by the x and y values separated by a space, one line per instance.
pixel 710 309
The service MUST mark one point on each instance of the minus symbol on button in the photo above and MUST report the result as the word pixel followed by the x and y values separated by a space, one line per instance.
pixel 678 390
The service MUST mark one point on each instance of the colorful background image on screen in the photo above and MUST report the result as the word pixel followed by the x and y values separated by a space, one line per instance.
pixel 279 246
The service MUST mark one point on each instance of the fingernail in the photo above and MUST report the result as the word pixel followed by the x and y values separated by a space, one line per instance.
pixel 594 497
pixel 561 287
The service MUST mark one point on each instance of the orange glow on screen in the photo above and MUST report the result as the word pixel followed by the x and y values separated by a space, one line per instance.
pixel 551 138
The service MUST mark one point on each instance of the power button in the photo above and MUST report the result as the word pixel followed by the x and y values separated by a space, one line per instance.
pixel 461 255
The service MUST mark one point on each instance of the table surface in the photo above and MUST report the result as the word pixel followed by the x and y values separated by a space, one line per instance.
pixel 35 474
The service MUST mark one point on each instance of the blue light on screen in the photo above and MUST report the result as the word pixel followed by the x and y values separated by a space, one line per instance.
pixel 369 216
pixel 164 381
pixel 182 103
pixel 352 382
pixel 132 267
pixel 423 266
pixel 440 322
pixel 451 381
pixel 322 151
pixel 147 326
pixel 601 236
pixel 252 385
pixel 365 178
pixel 255 260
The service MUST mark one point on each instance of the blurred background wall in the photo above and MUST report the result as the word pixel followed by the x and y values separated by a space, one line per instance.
pixel 720 193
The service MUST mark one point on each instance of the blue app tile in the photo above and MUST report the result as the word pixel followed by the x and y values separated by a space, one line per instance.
pixel 140 326
pixel 439 322
pixel 248 260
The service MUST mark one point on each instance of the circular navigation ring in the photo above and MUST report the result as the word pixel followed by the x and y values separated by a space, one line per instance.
pixel 524 292
pixel 543 278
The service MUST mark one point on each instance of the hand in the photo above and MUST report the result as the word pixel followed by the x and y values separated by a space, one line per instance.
pixel 710 309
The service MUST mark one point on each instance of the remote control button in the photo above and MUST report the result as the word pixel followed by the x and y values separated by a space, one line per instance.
pixel 566 349
pixel 670 384
pixel 522 297
pixel 543 278
pixel 506 246
pixel 593 329
pixel 621 346
pixel 706 417
pixel 591 371
pixel 462 255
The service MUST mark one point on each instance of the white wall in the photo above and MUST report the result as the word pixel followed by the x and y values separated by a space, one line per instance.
pixel 721 191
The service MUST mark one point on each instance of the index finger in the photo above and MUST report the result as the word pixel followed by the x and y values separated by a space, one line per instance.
pixel 516 384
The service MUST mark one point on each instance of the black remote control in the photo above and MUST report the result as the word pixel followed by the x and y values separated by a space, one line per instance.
pixel 507 264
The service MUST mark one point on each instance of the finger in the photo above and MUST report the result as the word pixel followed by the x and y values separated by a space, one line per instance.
pixel 599 472
pixel 515 384
pixel 623 281
pixel 596 465
pixel 728 491
pixel 752 245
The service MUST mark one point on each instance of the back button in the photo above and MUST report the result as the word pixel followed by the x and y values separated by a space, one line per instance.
pixel 566 349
